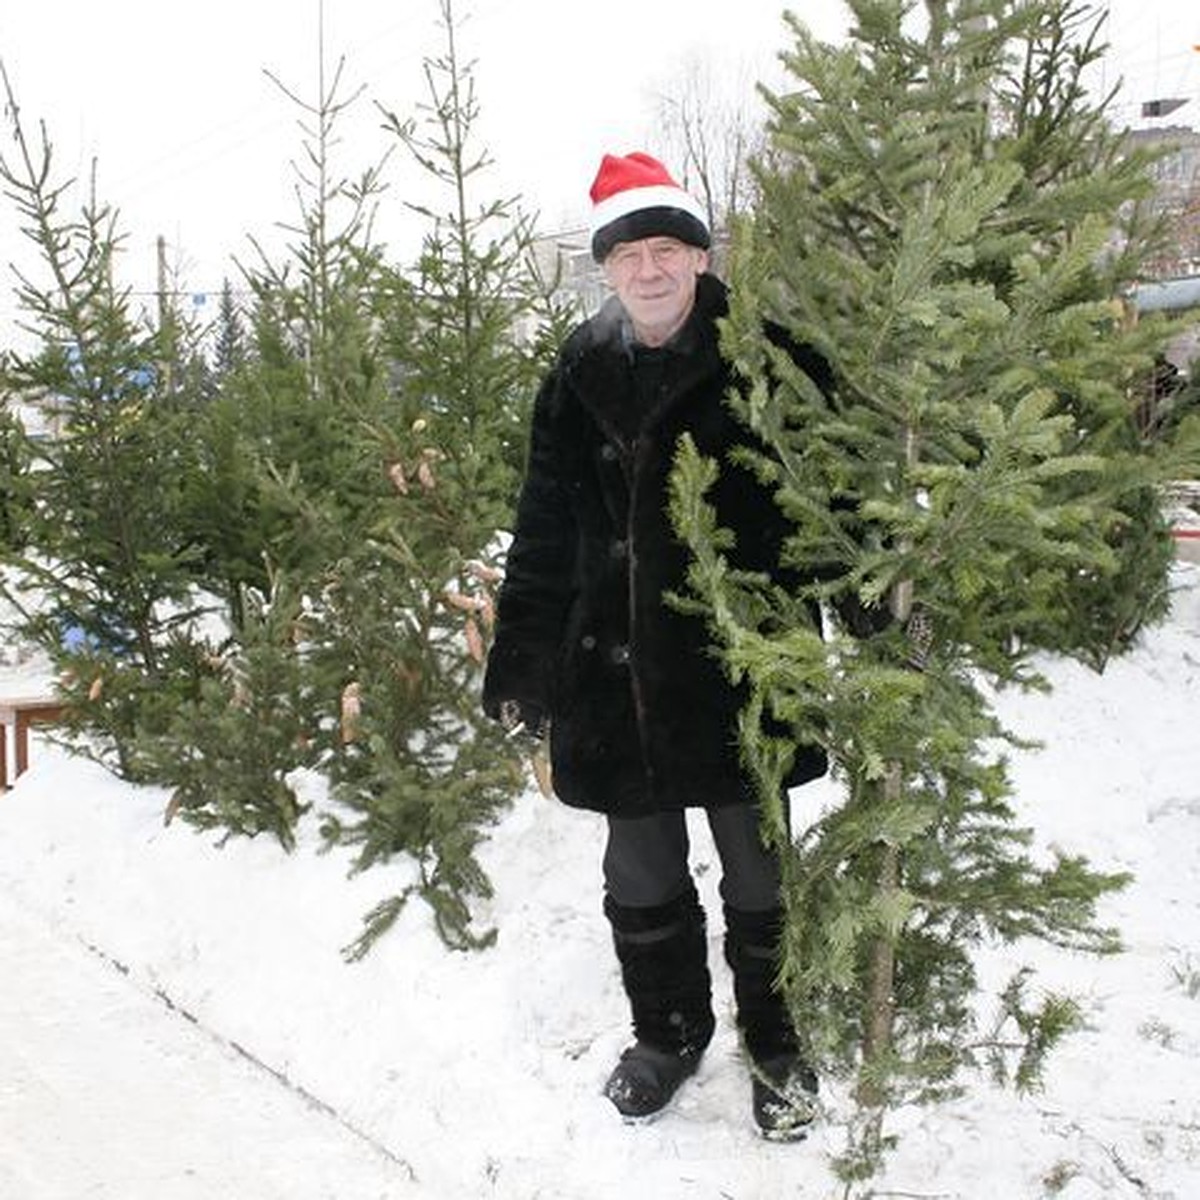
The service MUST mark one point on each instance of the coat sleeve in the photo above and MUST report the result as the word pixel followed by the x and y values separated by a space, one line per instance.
pixel 538 580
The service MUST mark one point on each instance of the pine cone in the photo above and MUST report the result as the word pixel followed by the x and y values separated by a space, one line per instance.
pixel 920 637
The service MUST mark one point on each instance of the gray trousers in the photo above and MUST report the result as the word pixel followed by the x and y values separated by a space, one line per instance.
pixel 646 859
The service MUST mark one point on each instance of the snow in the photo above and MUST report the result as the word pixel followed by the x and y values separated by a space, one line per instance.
pixel 178 1022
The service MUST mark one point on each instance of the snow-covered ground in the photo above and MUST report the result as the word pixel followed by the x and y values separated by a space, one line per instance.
pixel 176 1020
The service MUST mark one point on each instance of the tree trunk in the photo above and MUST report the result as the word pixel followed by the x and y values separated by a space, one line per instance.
pixel 880 1013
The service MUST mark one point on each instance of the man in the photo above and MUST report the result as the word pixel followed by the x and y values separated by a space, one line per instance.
pixel 641 717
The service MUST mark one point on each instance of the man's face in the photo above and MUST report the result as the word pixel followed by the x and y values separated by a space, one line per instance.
pixel 655 278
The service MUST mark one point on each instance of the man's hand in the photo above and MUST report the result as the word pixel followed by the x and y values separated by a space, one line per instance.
pixel 528 725
pixel 522 720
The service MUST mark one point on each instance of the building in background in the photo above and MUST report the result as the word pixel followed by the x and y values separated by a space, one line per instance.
pixel 1172 277
pixel 1176 197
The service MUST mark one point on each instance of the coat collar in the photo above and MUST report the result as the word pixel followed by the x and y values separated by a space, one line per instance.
pixel 597 358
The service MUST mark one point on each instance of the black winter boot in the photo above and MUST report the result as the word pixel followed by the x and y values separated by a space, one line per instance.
pixel 783 1085
pixel 663 956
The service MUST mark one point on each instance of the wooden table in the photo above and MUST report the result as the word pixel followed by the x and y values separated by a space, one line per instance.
pixel 20 712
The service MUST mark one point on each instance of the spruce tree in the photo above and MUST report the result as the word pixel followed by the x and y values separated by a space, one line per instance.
pixel 408 610
pixel 335 505
pixel 16 483
pixel 947 216
pixel 228 750
pixel 230 349
pixel 280 494
pixel 102 582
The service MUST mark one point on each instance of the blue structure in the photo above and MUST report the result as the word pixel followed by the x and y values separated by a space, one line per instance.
pixel 1168 295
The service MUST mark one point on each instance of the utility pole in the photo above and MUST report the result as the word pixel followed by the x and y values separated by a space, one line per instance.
pixel 166 319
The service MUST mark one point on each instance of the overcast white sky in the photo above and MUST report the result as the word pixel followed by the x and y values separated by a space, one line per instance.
pixel 193 141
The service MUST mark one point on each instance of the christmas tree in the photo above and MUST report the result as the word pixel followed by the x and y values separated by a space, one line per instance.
pixel 947 217
pixel 405 612
pixel 326 497
pixel 101 581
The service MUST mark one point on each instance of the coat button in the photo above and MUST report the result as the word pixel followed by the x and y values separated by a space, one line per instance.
pixel 618 548
pixel 620 655
pixel 588 642
pixel 608 452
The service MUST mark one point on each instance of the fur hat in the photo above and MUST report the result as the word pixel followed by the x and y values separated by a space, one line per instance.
pixel 635 197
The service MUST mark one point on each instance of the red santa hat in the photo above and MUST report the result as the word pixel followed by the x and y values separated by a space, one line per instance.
pixel 635 197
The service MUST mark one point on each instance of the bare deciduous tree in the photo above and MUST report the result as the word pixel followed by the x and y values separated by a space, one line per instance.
pixel 709 130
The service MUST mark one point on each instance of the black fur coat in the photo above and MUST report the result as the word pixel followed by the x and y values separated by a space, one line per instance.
pixel 642 716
